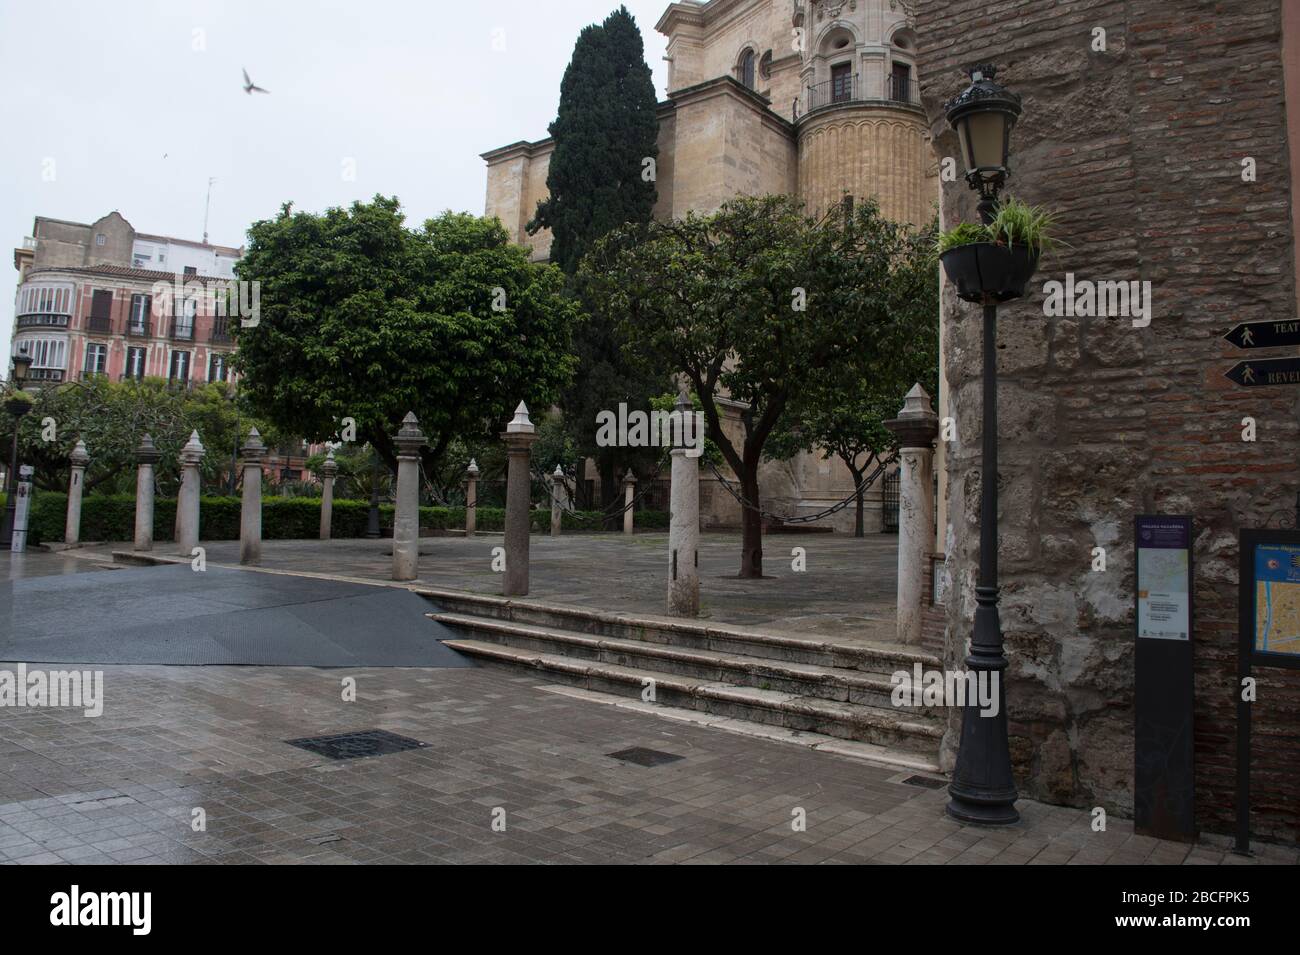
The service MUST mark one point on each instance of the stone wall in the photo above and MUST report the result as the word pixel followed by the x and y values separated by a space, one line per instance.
pixel 1139 149
pixel 868 150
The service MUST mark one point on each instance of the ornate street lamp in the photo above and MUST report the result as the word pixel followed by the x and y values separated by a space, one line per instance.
pixel 983 115
pixel 16 407
pixel 982 789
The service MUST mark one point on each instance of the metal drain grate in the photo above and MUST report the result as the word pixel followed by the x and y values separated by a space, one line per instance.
pixel 644 757
pixel 357 745
pixel 925 782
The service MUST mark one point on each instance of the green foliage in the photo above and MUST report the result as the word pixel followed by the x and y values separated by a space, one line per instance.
pixel 606 127
pixel 1014 223
pixel 362 317
pixel 112 417
pixel 964 233
pixel 757 303
pixel 111 517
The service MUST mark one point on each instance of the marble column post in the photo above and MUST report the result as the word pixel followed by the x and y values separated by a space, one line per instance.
pixel 916 427
pixel 406 520
pixel 629 492
pixel 684 525
pixel 79 459
pixel 519 437
pixel 557 501
pixel 329 470
pixel 146 456
pixel 250 514
pixel 187 502
pixel 471 497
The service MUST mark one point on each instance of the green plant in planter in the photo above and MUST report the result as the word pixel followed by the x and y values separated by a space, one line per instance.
pixel 1018 223
pixel 965 233
pixel 18 400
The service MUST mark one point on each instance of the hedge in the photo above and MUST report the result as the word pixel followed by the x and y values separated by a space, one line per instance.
pixel 111 517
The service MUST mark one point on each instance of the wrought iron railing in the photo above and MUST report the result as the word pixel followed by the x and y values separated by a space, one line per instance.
pixel 99 323
pixel 138 328
pixel 849 88
pixel 183 331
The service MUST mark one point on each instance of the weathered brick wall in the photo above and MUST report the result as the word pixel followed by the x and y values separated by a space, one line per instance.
pixel 1139 150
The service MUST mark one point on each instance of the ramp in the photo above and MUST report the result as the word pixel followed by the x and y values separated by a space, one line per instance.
pixel 175 615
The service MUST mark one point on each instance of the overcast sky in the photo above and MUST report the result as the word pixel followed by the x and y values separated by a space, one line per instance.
pixel 133 105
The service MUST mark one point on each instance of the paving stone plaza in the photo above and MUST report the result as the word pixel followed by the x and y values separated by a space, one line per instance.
pixel 123 788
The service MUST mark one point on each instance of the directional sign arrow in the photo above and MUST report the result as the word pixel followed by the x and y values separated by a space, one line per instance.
pixel 1265 371
pixel 1265 334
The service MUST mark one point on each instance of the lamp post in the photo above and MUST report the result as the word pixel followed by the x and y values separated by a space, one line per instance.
pixel 982 789
pixel 16 407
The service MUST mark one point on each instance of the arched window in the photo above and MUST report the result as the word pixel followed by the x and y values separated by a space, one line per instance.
pixel 745 71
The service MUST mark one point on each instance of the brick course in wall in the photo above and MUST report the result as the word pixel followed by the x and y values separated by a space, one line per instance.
pixel 1138 148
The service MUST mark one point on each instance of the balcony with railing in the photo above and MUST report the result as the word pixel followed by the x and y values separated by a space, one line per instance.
pixel 183 330
pixel 137 328
pixel 849 88
pixel 220 334
pixel 43 320
pixel 101 324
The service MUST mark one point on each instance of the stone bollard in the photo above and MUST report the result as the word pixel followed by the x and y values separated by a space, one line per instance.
pixel 684 525
pixel 406 521
pixel 250 512
pixel 187 502
pixel 916 427
pixel 557 498
pixel 629 492
pixel 471 498
pixel 146 457
pixel 79 460
pixel 329 470
pixel 519 437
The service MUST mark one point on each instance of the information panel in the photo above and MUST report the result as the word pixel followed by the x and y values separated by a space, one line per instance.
pixel 1163 578
pixel 1277 598
pixel 1163 678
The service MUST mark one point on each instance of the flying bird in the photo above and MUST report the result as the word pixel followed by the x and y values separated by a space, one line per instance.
pixel 249 87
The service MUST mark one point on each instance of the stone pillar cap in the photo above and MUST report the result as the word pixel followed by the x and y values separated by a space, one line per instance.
pixel 409 438
pixel 79 457
pixel 329 467
pixel 521 424
pixel 629 477
pixel 683 402
pixel 254 450
pixel 472 470
pixel 147 452
pixel 193 451
pixel 916 424
pixel 557 473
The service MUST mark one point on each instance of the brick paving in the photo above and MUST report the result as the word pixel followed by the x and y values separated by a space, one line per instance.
pixel 123 787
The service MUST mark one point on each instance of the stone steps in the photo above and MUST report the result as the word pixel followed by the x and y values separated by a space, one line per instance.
pixel 804 685
pixel 691 634
pixel 801 679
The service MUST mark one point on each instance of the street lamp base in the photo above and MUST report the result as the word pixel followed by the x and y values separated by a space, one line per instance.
pixel 996 809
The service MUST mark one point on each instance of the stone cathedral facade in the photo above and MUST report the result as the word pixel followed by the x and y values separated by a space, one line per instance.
pixel 812 98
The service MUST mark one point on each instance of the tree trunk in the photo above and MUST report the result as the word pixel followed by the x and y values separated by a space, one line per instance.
pixel 751 523
pixel 609 492
pixel 858 529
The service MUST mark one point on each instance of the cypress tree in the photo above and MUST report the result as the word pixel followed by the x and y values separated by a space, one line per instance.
pixel 606 128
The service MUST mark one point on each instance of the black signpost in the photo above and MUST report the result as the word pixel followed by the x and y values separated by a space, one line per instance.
pixel 1268 604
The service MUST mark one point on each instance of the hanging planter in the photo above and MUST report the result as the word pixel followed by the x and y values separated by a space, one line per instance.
pixel 984 271
pixel 993 263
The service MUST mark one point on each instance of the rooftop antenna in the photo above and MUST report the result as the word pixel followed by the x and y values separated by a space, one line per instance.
pixel 207 204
